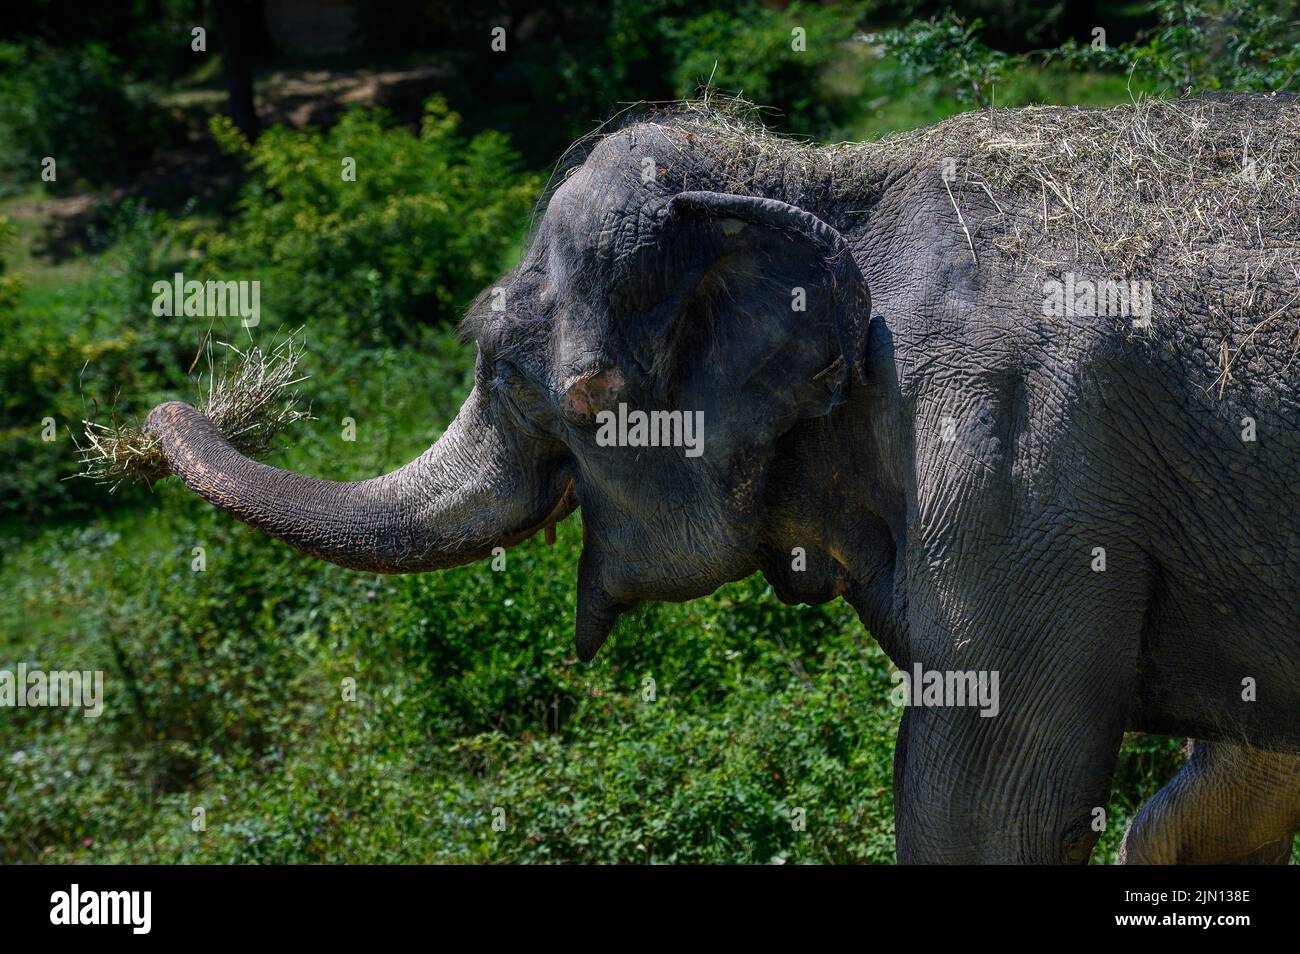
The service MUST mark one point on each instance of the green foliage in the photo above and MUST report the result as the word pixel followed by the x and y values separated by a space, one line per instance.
pixel 224 690
pixel 425 225
pixel 1206 45
pixel 71 105
pixel 1197 46
pixel 68 345
pixel 949 47
pixel 145 37
pixel 754 52
pixel 10 285
pixel 585 59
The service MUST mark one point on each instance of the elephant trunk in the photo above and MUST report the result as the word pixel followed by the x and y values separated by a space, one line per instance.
pixel 467 494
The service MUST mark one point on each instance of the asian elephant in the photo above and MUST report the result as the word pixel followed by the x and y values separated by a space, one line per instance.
pixel 897 375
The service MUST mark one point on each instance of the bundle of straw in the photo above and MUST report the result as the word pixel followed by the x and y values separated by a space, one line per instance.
pixel 247 398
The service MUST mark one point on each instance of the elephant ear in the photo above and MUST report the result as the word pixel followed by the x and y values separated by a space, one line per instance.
pixel 749 301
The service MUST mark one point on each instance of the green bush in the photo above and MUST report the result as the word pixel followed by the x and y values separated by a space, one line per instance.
pixel 426 224
pixel 1197 46
pixel 71 105
pixel 224 691
pixel 586 59
pixel 10 285
pixel 1207 45
pixel 950 48
pixel 86 350
pixel 751 51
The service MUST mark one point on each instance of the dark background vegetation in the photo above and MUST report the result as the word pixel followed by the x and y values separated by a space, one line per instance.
pixel 224 686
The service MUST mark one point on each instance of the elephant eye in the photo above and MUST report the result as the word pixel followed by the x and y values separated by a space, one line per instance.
pixel 508 382
pixel 497 374
pixel 505 376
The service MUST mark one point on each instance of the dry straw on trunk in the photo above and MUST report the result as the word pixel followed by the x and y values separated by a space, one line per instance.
pixel 248 398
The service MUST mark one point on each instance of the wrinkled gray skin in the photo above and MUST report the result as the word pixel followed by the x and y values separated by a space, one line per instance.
pixel 824 430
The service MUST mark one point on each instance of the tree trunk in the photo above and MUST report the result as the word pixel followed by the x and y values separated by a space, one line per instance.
pixel 238 20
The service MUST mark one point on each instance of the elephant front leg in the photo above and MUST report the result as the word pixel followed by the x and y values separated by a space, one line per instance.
pixel 1024 791
pixel 1020 559
pixel 1027 779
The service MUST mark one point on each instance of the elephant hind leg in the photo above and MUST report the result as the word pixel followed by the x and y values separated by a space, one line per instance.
pixel 1229 804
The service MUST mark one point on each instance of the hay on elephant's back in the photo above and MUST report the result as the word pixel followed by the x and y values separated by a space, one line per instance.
pixel 1158 183
pixel 248 399
pixel 1200 193
pixel 1198 197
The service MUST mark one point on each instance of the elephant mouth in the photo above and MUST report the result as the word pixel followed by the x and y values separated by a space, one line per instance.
pixel 565 505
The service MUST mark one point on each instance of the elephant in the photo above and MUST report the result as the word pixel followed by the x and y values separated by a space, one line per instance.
pixel 899 380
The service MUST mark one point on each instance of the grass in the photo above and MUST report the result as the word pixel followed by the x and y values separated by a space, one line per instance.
pixel 26 211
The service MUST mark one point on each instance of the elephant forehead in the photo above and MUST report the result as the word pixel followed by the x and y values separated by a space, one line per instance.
pixel 600 215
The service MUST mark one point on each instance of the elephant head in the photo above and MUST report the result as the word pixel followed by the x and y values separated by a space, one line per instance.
pixel 734 317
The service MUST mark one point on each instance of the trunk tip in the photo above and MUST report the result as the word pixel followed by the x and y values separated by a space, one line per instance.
pixel 166 416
